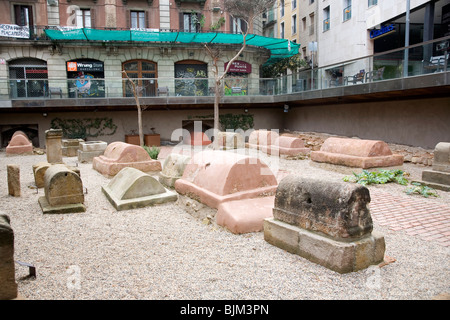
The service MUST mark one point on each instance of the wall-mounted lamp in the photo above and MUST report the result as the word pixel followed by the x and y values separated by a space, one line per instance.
pixel 44 114
pixel 246 110
pixel 286 108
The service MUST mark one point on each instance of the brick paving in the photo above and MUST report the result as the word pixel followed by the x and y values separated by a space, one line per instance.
pixel 414 216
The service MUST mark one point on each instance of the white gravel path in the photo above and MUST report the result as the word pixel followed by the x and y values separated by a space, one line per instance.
pixel 163 252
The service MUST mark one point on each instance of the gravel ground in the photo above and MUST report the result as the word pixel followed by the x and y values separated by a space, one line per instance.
pixel 163 252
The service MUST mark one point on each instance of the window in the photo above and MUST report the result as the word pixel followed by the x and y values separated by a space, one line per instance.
pixel 282 30
pixel 294 4
pixel 137 19
pixel 311 1
pixel 347 14
pixel 282 8
pixel 189 22
pixel 294 24
pixel 372 3
pixel 83 18
pixel 23 15
pixel 144 73
pixel 326 19
pixel 304 24
pixel 238 26
pixel 311 27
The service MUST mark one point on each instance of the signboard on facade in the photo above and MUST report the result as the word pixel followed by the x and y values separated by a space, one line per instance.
pixel 239 66
pixel 77 66
pixel 14 31
pixel 377 33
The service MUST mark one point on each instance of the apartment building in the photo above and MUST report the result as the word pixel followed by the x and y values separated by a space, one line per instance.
pixel 69 55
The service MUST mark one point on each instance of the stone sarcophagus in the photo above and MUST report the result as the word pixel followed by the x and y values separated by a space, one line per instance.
pixel 132 188
pixel 119 155
pixel 214 177
pixel 327 222
pixel 356 153
pixel 173 169
pixel 63 191
pixel 19 144
pixel 439 176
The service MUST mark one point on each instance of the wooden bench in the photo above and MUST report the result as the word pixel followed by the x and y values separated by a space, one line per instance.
pixel 437 63
pixel 163 90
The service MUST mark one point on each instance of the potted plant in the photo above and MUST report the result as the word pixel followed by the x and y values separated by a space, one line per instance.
pixel 152 139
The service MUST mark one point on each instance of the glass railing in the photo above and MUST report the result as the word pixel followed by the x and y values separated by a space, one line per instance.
pixel 425 58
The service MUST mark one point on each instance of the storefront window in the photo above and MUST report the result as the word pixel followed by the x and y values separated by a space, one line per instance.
pixel 28 78
pixel 236 80
pixel 86 78
pixel 191 78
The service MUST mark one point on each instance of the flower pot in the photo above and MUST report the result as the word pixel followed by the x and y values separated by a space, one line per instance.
pixel 152 140
pixel 132 139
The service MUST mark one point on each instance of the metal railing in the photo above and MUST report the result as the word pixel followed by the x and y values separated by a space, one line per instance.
pixel 424 58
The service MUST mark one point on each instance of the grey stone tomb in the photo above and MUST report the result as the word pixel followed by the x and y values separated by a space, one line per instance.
pixel 326 222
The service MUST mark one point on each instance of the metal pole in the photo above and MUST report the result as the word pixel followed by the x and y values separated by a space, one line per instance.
pixel 406 58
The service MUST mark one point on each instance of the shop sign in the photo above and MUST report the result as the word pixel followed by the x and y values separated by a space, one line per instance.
pixel 239 66
pixel 377 33
pixel 84 66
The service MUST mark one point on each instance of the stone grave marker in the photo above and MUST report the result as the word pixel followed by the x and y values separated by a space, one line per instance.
pixel 326 222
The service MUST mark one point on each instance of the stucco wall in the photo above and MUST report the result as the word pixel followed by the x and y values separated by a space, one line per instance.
pixel 164 122
pixel 421 123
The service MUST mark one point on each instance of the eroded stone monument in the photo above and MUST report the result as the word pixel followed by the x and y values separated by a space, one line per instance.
pixel 173 169
pixel 13 175
pixel 356 153
pixel 439 176
pixel 40 168
pixel 70 147
pixel 53 138
pixel 63 191
pixel 119 155
pixel 19 144
pixel 88 150
pixel 213 177
pixel 8 285
pixel 132 188
pixel 326 222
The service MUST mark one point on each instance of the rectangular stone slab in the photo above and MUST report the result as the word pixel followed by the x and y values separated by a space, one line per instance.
pixel 342 257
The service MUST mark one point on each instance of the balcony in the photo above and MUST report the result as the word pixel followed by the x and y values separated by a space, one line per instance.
pixel 200 2
pixel 369 77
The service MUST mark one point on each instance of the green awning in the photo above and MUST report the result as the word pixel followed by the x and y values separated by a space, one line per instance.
pixel 279 48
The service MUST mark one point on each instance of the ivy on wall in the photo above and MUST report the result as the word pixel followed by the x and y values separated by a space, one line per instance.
pixel 84 128
pixel 231 121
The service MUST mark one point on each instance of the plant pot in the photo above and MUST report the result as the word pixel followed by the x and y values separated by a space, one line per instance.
pixel 132 139
pixel 149 139
pixel 152 140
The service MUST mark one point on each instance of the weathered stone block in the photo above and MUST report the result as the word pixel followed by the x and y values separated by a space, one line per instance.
pixel 40 168
pixel 335 209
pixel 356 153
pixel 63 191
pixel 53 139
pixel 173 169
pixel 8 285
pixel 259 138
pixel 213 177
pixel 13 174
pixel 132 188
pixel 439 176
pixel 88 150
pixel 70 147
pixel 19 144
pixel 326 222
pixel 119 155
pixel 339 256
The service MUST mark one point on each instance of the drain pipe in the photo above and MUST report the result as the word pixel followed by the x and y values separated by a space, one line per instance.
pixel 406 58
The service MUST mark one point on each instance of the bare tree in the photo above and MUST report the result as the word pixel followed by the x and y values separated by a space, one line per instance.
pixel 136 90
pixel 247 11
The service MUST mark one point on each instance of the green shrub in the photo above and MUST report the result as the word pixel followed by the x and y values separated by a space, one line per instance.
pixel 381 177
pixel 422 190
pixel 153 152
